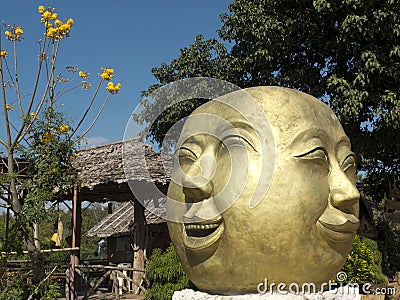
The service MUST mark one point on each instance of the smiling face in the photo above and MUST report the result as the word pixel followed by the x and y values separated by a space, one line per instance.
pixel 269 192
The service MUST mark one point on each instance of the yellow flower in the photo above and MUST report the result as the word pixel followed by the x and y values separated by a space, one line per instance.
pixel 86 86
pixel 41 9
pixel 58 23
pixel 19 31
pixel 3 53
pixel 10 107
pixel 15 33
pixel 47 15
pixel 70 22
pixel 53 16
pixel 83 75
pixel 113 89
pixel 8 34
pixel 52 171
pixel 107 74
pixel 63 128
pixel 47 137
pixel 65 28
pixel 51 32
pixel 32 114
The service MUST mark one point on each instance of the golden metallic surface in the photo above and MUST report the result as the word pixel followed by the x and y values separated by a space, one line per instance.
pixel 298 227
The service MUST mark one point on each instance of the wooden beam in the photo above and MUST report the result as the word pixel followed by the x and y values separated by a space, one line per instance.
pixel 109 268
pixel 139 243
pixel 44 251
pixel 72 284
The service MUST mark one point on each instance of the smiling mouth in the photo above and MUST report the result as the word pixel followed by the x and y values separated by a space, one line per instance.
pixel 200 230
pixel 342 233
pixel 203 234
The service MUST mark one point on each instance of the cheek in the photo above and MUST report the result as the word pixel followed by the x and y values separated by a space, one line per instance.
pixel 298 191
pixel 237 177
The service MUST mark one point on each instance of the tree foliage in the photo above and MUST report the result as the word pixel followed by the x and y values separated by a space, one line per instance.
pixel 166 274
pixel 347 53
pixel 363 264
pixel 389 245
pixel 39 140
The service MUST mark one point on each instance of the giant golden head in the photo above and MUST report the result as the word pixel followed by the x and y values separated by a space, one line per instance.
pixel 263 186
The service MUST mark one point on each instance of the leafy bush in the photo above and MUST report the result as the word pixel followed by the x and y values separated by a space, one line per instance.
pixel 17 286
pixel 363 264
pixel 389 245
pixel 166 274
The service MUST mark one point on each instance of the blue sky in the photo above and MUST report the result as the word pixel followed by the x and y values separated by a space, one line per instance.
pixel 130 36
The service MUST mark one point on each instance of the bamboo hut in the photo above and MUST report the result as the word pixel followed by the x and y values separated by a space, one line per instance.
pixel 109 173
pixel 118 229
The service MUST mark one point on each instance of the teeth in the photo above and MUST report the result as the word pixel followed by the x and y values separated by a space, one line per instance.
pixel 197 226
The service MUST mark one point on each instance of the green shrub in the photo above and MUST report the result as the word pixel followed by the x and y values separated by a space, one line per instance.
pixel 17 286
pixel 363 264
pixel 389 245
pixel 166 274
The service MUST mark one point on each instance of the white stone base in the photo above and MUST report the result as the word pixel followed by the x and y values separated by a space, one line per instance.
pixel 341 294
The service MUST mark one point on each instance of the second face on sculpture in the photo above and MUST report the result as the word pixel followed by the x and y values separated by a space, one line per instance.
pixel 268 179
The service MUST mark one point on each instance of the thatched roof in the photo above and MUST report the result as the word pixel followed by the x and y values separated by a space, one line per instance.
pixel 115 162
pixel 104 171
pixel 121 221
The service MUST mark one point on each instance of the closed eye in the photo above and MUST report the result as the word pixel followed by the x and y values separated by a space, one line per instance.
pixel 184 152
pixel 236 140
pixel 315 154
pixel 349 162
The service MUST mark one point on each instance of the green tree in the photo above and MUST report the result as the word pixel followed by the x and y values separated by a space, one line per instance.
pixel 91 216
pixel 363 264
pixel 166 274
pixel 39 140
pixel 347 53
pixel 389 245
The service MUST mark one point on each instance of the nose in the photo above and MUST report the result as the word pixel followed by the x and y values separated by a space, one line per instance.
pixel 343 194
pixel 197 182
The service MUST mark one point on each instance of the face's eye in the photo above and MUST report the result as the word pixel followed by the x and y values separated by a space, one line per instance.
pixel 315 154
pixel 236 140
pixel 317 158
pixel 185 154
pixel 349 164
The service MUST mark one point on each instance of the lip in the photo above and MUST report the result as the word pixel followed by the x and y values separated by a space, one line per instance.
pixel 202 235
pixel 338 233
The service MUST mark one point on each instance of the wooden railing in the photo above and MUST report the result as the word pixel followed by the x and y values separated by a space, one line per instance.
pixel 114 272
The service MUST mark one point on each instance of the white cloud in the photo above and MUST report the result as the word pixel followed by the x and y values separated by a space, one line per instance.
pixel 95 141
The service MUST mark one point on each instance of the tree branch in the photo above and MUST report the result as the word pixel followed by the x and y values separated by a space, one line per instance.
pixel 87 109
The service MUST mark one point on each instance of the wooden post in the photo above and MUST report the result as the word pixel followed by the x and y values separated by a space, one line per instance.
pixel 7 228
pixel 36 239
pixel 115 284
pixel 76 210
pixel 139 243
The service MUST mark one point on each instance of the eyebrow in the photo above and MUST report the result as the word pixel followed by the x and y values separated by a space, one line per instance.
pixel 344 141
pixel 238 123
pixel 319 134
pixel 311 133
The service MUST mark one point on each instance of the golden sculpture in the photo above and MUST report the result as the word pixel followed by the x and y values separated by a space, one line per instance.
pixel 268 179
